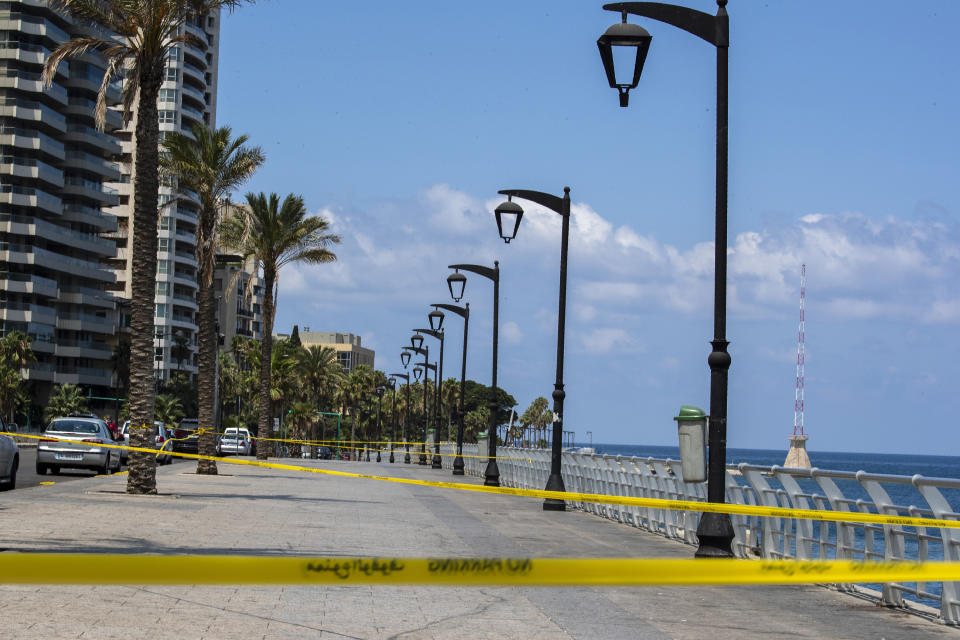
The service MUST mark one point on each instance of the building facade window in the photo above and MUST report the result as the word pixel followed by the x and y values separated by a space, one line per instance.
pixel 161 311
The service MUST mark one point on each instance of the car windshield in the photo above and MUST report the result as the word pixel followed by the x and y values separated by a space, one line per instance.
pixel 73 426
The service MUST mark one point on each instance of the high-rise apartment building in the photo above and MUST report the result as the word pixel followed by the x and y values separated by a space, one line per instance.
pixel 188 96
pixel 54 173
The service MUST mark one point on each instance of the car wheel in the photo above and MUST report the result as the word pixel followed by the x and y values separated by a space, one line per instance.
pixel 106 469
pixel 55 470
pixel 12 482
pixel 41 469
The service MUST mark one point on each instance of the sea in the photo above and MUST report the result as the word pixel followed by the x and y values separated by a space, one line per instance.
pixel 878 463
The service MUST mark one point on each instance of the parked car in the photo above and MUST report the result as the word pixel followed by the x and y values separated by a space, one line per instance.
pixel 185 436
pixel 323 453
pixel 72 442
pixel 235 441
pixel 9 459
pixel 161 439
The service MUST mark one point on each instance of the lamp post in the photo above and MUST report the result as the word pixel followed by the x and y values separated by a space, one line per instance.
pixel 436 462
pixel 463 312
pixel 380 391
pixel 393 423
pixel 366 431
pixel 715 531
pixel 427 367
pixel 508 215
pixel 456 283
pixel 422 369
pixel 406 418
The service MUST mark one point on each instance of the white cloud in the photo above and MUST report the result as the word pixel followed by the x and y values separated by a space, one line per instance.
pixel 454 211
pixel 607 339
pixel 511 333
pixel 858 267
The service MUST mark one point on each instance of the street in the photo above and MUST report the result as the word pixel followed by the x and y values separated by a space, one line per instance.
pixel 27 474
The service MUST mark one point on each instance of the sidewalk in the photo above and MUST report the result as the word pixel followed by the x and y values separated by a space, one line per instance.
pixel 250 510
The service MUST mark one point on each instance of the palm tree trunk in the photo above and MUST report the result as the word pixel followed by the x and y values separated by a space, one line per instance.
pixel 206 443
pixel 142 478
pixel 266 349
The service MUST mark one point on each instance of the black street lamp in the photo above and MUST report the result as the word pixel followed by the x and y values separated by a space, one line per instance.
pixel 463 312
pixel 437 462
pixel 406 418
pixel 380 391
pixel 506 213
pixel 424 370
pixel 392 383
pixel 716 530
pixel 457 282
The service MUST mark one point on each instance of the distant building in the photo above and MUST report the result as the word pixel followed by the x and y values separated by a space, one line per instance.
pixel 240 304
pixel 347 345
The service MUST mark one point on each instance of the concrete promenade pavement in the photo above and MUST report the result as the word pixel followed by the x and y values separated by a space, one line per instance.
pixel 249 510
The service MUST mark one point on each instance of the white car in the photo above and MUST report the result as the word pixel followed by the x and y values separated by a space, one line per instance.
pixel 73 442
pixel 9 460
pixel 235 441
pixel 161 438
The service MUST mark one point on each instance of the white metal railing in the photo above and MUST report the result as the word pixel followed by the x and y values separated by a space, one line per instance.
pixel 757 536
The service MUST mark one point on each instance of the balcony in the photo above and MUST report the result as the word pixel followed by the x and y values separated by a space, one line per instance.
pixel 74 212
pixel 28 283
pixel 82 134
pixel 30 139
pixel 28 312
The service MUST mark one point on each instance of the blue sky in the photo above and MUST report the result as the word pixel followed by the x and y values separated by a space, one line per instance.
pixel 400 121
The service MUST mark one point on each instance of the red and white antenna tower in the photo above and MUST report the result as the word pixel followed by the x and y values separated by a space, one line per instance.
pixel 801 356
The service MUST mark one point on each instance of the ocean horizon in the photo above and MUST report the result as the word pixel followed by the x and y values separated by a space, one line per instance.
pixel 901 464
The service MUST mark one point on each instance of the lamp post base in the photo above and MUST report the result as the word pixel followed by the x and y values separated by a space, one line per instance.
pixel 406 458
pixel 458 466
pixel 378 455
pixel 368 455
pixel 391 457
pixel 715 534
pixel 437 462
pixel 491 477
pixel 423 459
pixel 555 483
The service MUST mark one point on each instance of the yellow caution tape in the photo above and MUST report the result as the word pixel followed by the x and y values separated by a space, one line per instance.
pixel 116 569
pixel 653 503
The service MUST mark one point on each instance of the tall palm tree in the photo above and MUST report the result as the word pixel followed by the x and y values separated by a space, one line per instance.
pixel 273 235
pixel 146 31
pixel 212 164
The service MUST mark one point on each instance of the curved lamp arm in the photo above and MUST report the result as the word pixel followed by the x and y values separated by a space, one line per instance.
pixel 550 201
pixel 713 29
pixel 430 332
pixel 486 272
pixel 404 376
pixel 463 312
pixel 422 352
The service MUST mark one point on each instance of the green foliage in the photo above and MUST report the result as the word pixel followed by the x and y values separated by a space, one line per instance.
pixel 537 414
pixel 475 422
pixel 65 399
pixel 479 395
pixel 167 409
pixel 15 354
pixel 295 337
pixel 184 389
